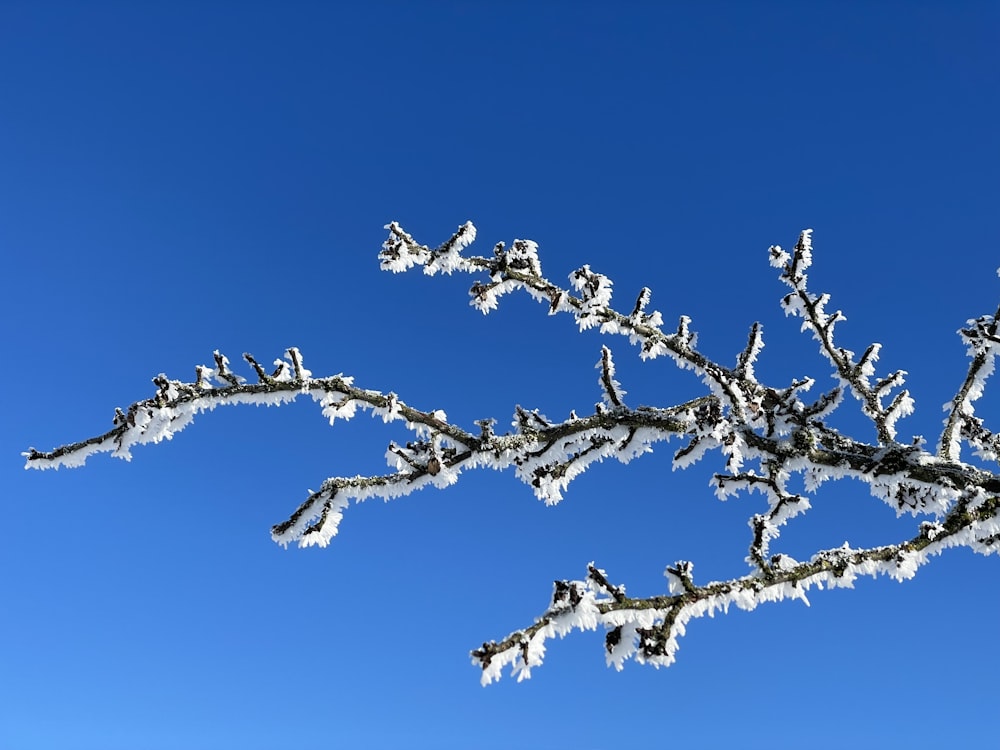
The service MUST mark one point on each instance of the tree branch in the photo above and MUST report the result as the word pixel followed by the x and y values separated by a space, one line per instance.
pixel 766 434
pixel 647 629
pixel 983 343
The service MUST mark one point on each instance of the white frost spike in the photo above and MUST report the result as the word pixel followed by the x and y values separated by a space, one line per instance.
pixel 298 369
pixel 399 251
pixel 222 374
pixel 679 577
pixel 640 303
pixel 779 258
pixel 685 336
pixel 747 358
pixel 902 406
pixel 447 258
pixel 283 373
pixel 866 365
pixel 523 256
pixel 804 249
pixel 595 291
pixel 612 392
pixel 334 405
pixel 485 298
pixel 204 376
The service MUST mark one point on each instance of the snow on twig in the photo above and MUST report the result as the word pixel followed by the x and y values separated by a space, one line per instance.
pixel 765 435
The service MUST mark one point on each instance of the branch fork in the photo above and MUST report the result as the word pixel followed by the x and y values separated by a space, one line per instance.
pixel 765 435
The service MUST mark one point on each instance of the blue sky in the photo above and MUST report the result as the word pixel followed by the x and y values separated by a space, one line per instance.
pixel 183 177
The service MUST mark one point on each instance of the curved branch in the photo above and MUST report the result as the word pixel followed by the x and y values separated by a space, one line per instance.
pixel 983 343
pixel 647 629
pixel 765 435
pixel 547 456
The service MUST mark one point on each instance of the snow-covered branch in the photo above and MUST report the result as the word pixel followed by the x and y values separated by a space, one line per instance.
pixel 856 374
pixel 544 454
pixel 984 343
pixel 766 435
pixel 647 629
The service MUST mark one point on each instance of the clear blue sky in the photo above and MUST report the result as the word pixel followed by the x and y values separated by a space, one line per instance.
pixel 181 177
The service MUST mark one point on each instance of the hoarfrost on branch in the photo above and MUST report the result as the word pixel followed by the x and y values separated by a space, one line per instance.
pixel 764 433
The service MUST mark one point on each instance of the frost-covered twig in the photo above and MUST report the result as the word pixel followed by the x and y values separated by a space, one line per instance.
pixel 546 455
pixel 855 374
pixel 984 344
pixel 766 435
pixel 647 629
